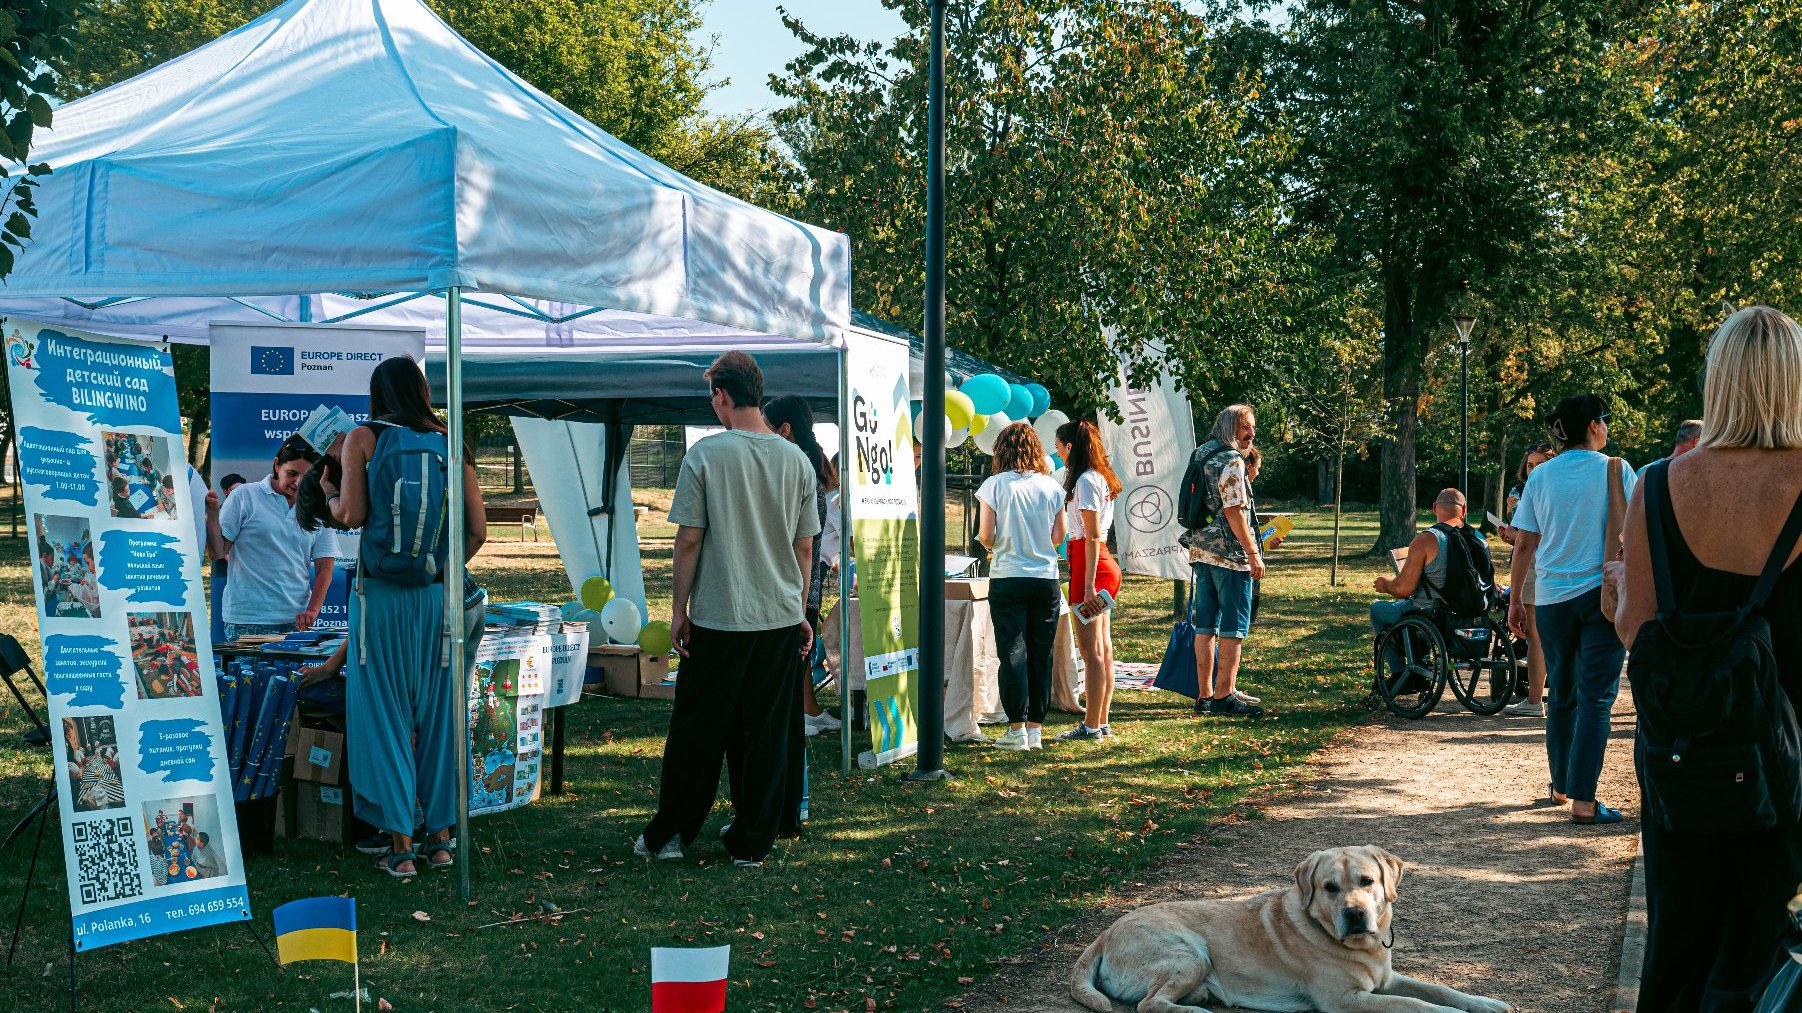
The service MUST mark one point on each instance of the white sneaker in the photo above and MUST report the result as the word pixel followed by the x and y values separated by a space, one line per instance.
pixel 821 722
pixel 1015 739
pixel 1524 709
pixel 671 850
pixel 1247 698
pixel 1035 738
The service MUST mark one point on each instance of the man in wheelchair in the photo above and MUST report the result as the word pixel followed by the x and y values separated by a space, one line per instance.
pixel 1448 572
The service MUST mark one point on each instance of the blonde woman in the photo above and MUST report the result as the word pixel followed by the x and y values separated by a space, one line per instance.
pixel 1021 524
pixel 1711 938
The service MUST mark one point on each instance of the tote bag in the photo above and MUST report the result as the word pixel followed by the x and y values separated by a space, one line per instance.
pixel 1177 671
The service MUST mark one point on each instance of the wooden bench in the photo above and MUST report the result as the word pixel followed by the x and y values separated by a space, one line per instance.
pixel 525 517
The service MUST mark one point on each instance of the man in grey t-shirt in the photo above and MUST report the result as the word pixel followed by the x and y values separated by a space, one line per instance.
pixel 746 510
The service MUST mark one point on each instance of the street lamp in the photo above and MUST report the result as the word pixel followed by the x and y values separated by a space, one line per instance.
pixel 1464 322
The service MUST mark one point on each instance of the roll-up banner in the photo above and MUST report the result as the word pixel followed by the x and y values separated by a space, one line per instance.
pixel 885 528
pixel 1150 449
pixel 150 839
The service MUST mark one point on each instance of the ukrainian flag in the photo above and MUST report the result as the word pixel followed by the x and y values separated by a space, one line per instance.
pixel 318 928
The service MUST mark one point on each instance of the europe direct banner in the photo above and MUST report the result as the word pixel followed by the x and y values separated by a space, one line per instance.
pixel 150 838
pixel 885 528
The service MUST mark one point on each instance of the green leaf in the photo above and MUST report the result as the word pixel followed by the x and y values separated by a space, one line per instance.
pixel 19 224
pixel 39 110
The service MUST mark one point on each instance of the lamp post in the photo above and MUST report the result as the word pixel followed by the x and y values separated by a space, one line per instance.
pixel 1464 323
pixel 930 760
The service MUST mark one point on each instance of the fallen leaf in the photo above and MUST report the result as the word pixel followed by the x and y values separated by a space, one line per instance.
pixel 421 916
pixel 383 1004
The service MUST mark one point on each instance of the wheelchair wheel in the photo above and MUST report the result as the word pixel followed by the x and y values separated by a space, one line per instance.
pixel 1412 688
pixel 1485 684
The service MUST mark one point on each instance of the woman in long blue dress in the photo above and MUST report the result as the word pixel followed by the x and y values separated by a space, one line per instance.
pixel 401 702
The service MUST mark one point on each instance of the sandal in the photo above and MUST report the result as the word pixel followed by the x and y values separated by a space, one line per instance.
pixel 448 847
pixel 1604 816
pixel 1555 796
pixel 390 863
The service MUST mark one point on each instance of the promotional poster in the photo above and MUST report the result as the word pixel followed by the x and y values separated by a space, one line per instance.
pixel 1150 450
pixel 150 838
pixel 506 721
pixel 885 526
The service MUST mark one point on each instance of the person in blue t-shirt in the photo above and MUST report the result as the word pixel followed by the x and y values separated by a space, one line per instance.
pixel 1561 529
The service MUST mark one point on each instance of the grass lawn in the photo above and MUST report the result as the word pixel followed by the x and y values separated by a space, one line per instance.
pixel 898 897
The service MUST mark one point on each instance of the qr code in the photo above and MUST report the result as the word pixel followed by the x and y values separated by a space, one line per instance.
pixel 106 860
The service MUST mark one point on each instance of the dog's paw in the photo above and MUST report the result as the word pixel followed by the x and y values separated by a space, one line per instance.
pixel 1479 1004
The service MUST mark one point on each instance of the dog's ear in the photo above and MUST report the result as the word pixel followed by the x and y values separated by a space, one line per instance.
pixel 1304 878
pixel 1392 870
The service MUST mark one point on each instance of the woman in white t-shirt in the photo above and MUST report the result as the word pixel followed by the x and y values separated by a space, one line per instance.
pixel 1022 524
pixel 1090 486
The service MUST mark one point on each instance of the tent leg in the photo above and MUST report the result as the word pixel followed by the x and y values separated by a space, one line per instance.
pixel 845 558
pixel 453 581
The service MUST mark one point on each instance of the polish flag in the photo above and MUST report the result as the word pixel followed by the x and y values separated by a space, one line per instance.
pixel 689 980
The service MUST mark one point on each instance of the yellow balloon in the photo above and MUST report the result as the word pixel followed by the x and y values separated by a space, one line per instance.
pixel 596 593
pixel 978 423
pixel 958 409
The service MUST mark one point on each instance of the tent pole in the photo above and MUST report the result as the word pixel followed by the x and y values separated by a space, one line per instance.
pixel 844 568
pixel 453 580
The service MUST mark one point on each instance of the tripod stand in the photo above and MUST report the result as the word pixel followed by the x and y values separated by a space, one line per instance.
pixel 14 660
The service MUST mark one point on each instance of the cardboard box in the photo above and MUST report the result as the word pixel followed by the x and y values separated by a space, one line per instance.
pixel 319 756
pixel 967 589
pixel 320 812
pixel 628 671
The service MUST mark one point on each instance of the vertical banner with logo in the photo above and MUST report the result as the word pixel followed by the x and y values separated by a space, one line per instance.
pixel 268 379
pixel 150 839
pixel 1150 449
pixel 885 528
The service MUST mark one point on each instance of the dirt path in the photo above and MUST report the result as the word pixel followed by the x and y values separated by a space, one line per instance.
pixel 1503 896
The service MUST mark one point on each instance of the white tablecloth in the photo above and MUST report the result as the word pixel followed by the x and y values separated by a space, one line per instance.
pixel 972 669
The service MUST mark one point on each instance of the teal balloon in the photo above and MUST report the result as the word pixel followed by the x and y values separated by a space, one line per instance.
pixel 1041 399
pixel 988 392
pixel 1019 401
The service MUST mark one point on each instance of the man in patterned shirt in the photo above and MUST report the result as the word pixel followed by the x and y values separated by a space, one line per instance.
pixel 1227 562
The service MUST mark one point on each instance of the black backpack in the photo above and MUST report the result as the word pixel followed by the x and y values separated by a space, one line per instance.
pixel 1718 749
pixel 1195 500
pixel 1469 573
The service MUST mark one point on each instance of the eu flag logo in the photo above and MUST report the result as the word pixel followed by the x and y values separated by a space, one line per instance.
pixel 271 361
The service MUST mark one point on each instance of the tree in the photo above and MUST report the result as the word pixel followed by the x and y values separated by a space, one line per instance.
pixel 1102 180
pixel 1425 135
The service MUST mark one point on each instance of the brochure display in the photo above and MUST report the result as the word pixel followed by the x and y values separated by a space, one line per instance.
pixel 150 838
pixel 885 526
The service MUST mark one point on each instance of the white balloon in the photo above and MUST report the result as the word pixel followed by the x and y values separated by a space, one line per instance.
pixel 622 620
pixel 955 438
pixel 985 440
pixel 1046 426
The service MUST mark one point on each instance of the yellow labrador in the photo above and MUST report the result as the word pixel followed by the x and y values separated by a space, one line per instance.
pixel 1322 944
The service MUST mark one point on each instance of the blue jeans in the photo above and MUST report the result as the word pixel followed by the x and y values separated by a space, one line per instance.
pixel 1222 601
pixel 1583 658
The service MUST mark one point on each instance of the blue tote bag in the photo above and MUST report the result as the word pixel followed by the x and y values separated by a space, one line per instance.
pixel 1177 671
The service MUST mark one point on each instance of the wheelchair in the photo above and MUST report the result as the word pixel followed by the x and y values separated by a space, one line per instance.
pixel 1475 655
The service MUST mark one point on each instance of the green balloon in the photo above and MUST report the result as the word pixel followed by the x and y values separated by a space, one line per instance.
pixel 654 638
pixel 596 593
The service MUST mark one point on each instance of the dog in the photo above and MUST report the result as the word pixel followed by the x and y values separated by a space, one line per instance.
pixel 1322 944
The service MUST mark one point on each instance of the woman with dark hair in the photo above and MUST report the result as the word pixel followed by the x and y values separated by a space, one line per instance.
pixel 1022 522
pixel 1090 486
pixel 792 418
pixel 401 697
pixel 1567 526
pixel 280 574
pixel 1534 705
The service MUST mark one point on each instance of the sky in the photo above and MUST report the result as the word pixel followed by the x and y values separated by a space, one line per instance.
pixel 749 43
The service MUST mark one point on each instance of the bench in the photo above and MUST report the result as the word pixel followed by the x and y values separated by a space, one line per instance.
pixel 525 517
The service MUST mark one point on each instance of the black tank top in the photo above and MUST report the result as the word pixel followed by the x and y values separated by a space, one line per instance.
pixel 1702 589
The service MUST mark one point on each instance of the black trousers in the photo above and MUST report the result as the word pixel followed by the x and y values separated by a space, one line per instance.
pixel 735 692
pixel 1024 611
pixel 1715 916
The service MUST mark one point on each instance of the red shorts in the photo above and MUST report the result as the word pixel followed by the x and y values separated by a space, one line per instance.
pixel 1107 572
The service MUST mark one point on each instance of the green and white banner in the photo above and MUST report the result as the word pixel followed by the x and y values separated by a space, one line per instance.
pixel 885 528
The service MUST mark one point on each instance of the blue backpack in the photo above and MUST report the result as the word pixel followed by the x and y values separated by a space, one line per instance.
pixel 404 535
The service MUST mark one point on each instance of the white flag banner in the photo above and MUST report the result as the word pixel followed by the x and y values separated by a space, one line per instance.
pixel 1150 450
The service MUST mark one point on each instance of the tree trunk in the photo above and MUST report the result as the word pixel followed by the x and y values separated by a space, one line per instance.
pixel 199 428
pixel 1323 480
pixel 1401 388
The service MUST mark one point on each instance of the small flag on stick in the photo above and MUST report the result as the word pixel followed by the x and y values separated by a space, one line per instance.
pixel 319 928
pixel 689 980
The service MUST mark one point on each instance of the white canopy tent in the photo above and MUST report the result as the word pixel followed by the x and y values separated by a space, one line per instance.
pixel 362 146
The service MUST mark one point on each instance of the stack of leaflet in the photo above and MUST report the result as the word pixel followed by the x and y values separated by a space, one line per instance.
pixel 310 644
pixel 525 617
pixel 256 701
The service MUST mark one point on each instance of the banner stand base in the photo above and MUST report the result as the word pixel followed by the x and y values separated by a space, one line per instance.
pixel 923 776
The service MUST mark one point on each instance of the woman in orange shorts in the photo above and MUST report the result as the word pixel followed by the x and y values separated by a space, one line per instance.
pixel 1090 486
